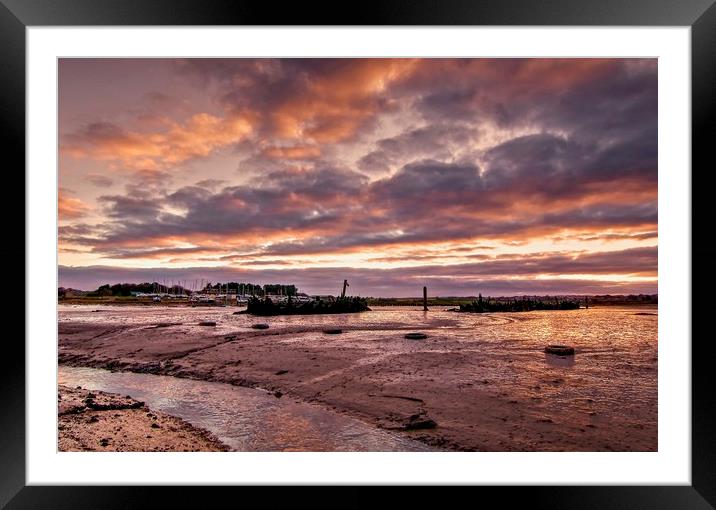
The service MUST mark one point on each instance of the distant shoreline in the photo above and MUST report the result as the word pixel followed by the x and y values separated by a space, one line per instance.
pixel 412 302
pixel 594 301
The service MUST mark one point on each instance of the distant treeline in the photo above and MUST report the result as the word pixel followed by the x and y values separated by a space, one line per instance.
pixel 266 307
pixel 127 289
pixel 629 299
pixel 432 301
pixel 523 304
pixel 601 300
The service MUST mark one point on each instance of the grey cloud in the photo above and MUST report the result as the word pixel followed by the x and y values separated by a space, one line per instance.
pixel 131 208
pixel 437 141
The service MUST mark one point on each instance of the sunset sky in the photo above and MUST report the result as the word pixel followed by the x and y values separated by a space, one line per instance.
pixel 499 176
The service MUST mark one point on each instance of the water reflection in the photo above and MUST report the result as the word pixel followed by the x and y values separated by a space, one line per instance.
pixel 243 418
pixel 559 361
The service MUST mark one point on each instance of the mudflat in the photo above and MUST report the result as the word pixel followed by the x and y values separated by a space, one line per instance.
pixel 474 384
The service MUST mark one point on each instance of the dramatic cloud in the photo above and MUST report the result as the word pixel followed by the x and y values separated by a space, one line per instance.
pixel 321 100
pixel 456 171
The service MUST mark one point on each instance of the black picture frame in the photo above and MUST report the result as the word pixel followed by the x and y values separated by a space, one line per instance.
pixel 700 15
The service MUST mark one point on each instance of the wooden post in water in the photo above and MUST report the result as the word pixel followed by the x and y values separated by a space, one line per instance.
pixel 425 299
pixel 345 284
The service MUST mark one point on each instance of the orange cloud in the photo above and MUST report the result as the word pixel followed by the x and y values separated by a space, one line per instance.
pixel 70 207
pixel 197 137
pixel 337 103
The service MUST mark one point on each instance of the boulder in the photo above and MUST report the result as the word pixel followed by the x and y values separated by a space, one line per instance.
pixel 559 350
pixel 420 421
pixel 167 324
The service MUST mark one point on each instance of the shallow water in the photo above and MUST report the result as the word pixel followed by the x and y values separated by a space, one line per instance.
pixel 243 418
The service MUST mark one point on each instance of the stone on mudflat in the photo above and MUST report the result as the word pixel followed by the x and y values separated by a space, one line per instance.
pixel 559 350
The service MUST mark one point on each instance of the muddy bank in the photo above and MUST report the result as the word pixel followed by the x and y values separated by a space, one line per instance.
pixel 99 421
pixel 456 389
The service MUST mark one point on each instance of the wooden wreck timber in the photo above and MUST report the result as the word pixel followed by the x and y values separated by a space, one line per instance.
pixel 266 307
pixel 517 305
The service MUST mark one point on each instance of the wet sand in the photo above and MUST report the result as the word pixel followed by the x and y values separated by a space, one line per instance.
pixel 99 421
pixel 373 373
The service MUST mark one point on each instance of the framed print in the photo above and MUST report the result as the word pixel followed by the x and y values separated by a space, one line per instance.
pixel 417 247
